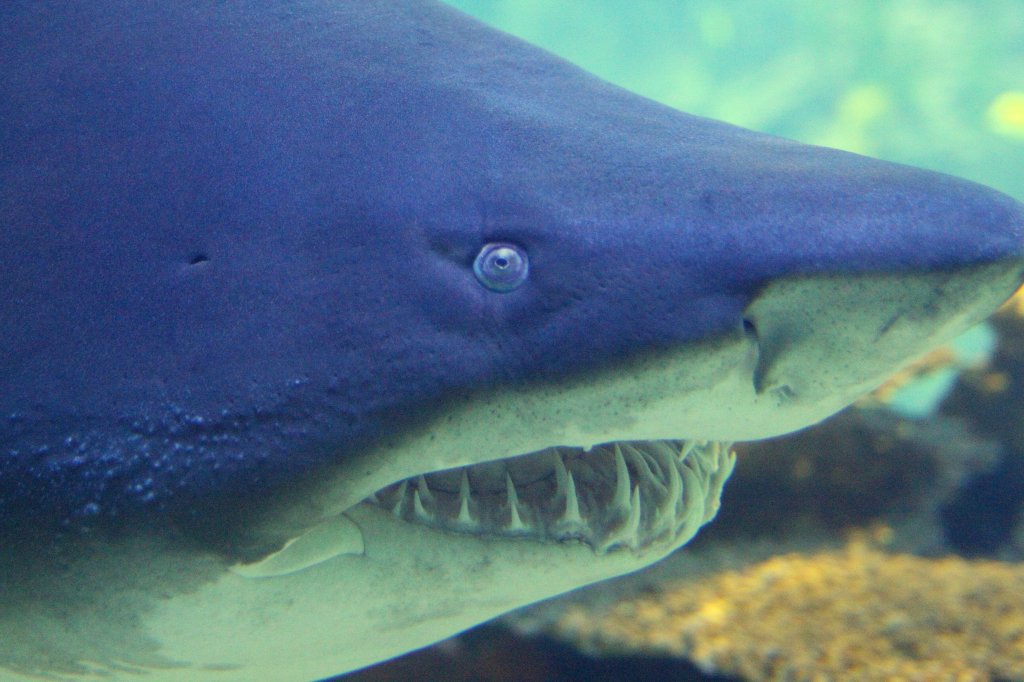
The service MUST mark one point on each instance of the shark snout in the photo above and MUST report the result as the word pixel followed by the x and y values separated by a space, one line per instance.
pixel 828 337
pixel 888 263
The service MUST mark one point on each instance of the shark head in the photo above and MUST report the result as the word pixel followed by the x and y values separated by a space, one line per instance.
pixel 332 330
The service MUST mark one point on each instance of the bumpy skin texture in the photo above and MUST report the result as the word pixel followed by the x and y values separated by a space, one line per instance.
pixel 237 237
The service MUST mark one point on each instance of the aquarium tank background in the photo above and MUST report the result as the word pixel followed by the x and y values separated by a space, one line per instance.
pixel 933 84
pixel 886 543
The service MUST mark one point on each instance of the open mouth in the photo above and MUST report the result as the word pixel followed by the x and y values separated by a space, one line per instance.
pixel 624 495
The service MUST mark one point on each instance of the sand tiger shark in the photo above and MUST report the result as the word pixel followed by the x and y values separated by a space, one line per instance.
pixel 331 328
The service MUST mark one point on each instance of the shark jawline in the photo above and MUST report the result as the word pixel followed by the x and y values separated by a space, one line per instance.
pixel 627 495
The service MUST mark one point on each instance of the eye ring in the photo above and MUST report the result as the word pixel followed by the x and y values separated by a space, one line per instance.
pixel 501 266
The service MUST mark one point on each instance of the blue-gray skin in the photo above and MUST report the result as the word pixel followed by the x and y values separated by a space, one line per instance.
pixel 237 245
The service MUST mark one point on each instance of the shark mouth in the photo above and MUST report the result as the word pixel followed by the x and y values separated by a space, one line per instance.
pixel 616 496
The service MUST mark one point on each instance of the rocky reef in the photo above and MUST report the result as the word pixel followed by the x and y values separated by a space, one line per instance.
pixel 853 614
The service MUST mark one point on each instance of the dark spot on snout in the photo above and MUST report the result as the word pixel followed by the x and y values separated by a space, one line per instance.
pixel 198 259
pixel 887 325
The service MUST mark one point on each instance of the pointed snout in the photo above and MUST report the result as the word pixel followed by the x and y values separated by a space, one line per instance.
pixel 837 337
pixel 833 336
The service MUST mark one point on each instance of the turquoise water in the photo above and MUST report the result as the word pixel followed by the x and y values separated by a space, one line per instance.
pixel 933 84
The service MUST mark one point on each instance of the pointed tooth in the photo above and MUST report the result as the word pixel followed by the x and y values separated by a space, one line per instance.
pixel 700 465
pixel 417 505
pixel 652 457
pixel 510 491
pixel 667 510
pixel 622 482
pixel 561 474
pixel 424 489
pixel 464 517
pixel 691 487
pixel 675 484
pixel 643 470
pixel 694 499
pixel 714 451
pixel 626 534
pixel 633 523
pixel 572 503
pixel 724 454
pixel 723 469
pixel 685 449
pixel 397 508
pixel 515 523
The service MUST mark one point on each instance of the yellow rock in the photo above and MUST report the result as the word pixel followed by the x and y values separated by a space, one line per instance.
pixel 854 614
pixel 1005 114
pixel 1016 303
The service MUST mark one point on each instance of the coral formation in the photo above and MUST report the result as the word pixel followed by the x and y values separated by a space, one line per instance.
pixel 853 614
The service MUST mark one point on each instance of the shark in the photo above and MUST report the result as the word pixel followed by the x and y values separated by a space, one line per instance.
pixel 332 328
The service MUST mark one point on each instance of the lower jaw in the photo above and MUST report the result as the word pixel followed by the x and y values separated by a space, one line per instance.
pixel 624 496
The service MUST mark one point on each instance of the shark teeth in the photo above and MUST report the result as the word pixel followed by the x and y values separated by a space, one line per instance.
pixel 464 519
pixel 515 523
pixel 618 496
pixel 396 507
pixel 571 514
pixel 423 489
pixel 622 482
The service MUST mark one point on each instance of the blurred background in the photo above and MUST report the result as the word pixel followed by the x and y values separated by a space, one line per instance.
pixel 887 542
pixel 934 83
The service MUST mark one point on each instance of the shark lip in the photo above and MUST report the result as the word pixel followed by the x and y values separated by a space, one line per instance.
pixel 627 495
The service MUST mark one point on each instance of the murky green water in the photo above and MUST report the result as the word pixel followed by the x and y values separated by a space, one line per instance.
pixel 931 83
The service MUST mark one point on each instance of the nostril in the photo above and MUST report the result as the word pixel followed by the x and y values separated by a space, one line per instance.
pixel 764 382
pixel 756 361
pixel 749 329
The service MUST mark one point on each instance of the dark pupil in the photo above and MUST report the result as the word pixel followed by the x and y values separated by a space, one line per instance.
pixel 501 262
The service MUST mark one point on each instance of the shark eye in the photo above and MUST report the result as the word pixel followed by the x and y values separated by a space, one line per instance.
pixel 501 266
